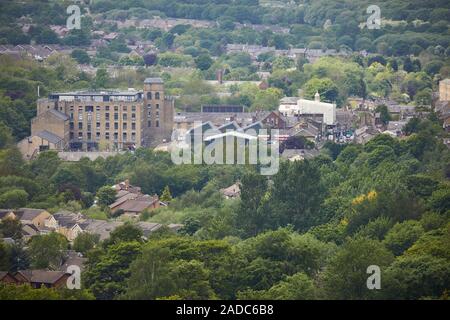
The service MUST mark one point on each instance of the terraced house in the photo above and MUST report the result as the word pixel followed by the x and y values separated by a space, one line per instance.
pixel 101 120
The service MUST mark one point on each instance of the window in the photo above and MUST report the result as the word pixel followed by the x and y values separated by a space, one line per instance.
pixel 157 95
pixel 97 135
pixel 107 108
pixel 116 108
pixel 89 136
pixel 80 116
pixel 124 117
pixel 149 106
pixel 97 125
pixel 107 116
pixel 80 125
pixel 157 123
pixel 124 137
pixel 124 108
pixel 157 106
pixel 149 123
pixel 97 116
pixel 71 108
pixel 116 125
pixel 149 95
pixel 133 126
pixel 89 128
pixel 107 135
pixel 80 135
pixel 133 108
pixel 133 116
pixel 133 136
pixel 107 125
pixel 124 125
pixel 72 126
pixel 116 116
pixel 71 136
pixel 116 136
pixel 97 108
pixel 157 113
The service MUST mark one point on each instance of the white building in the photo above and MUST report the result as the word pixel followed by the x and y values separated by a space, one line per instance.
pixel 288 106
pixel 309 107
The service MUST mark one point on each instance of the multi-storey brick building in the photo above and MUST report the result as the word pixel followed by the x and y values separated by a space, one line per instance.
pixel 102 120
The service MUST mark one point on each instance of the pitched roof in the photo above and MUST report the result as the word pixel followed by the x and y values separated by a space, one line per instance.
pixel 138 205
pixel 28 213
pixel 231 191
pixel 154 80
pixel 68 219
pixel 5 212
pixel 42 276
pixel 101 227
pixel 148 227
pixel 59 114
pixel 49 136
pixel 30 230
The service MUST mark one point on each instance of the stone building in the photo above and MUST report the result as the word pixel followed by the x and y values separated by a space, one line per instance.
pixel 444 90
pixel 101 120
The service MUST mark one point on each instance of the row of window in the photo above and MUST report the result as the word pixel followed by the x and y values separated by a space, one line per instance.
pixel 107 117
pixel 98 125
pixel 149 96
pixel 149 123
pixel 107 136
pixel 98 108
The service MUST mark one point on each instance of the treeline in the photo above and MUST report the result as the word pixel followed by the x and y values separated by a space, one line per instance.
pixel 408 28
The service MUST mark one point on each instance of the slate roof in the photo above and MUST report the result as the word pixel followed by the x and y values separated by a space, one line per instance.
pixel 59 114
pixel 42 276
pixel 153 80
pixel 4 212
pixel 49 136
pixel 28 214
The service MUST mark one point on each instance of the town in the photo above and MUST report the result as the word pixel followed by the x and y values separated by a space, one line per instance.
pixel 105 107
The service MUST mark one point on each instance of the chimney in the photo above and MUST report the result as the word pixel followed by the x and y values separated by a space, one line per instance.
pixel 317 97
pixel 219 76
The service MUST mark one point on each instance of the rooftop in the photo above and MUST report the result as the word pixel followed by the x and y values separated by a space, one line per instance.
pixel 154 80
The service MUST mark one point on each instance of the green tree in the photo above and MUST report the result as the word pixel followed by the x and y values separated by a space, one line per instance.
pixel 126 233
pixel 15 198
pixel 107 271
pixel 402 236
pixel 85 242
pixel 106 195
pixel 203 61
pixel 81 56
pixel 11 228
pixel 296 194
pixel 101 79
pixel 327 89
pixel 253 190
pixel 166 196
pixel 47 251
pixel 385 116
pixel 345 277
pixel 296 287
